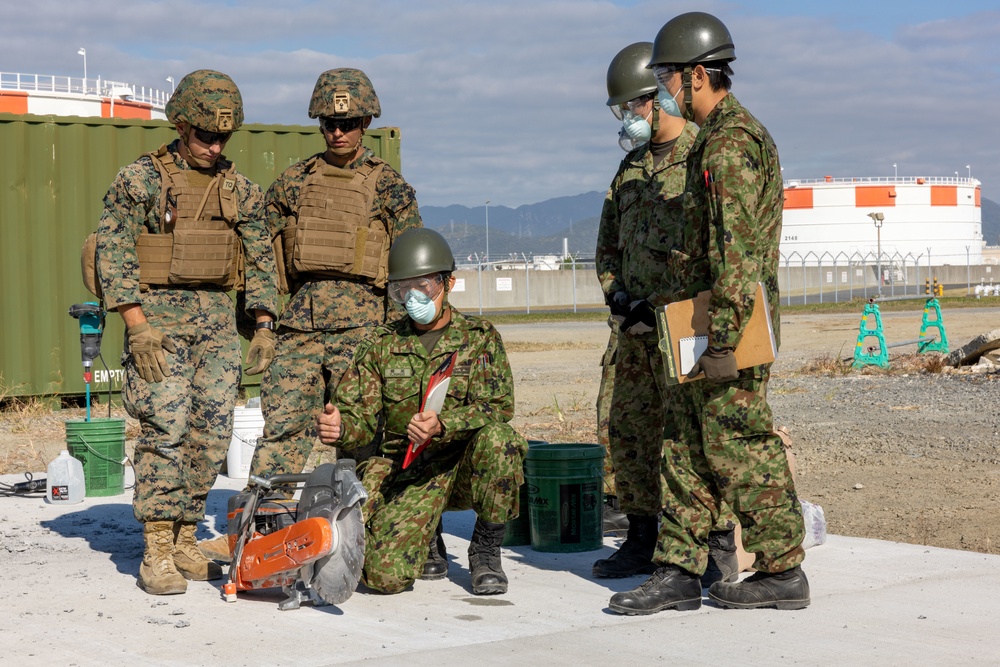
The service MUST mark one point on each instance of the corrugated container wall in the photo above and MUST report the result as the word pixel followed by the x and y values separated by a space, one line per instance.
pixel 53 177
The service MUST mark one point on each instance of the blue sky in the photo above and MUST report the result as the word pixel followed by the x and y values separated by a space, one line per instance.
pixel 505 100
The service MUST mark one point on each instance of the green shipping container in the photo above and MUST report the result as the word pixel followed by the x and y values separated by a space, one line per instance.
pixel 54 174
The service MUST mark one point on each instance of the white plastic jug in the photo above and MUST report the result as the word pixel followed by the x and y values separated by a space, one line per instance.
pixel 65 483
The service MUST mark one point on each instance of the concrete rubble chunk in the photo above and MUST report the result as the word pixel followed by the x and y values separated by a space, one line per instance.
pixel 970 353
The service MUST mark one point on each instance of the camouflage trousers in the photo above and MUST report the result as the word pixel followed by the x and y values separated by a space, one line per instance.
pixel 728 453
pixel 187 419
pixel 404 506
pixel 293 391
pixel 604 395
pixel 639 424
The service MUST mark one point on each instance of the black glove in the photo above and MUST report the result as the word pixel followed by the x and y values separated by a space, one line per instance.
pixel 618 302
pixel 718 366
pixel 640 319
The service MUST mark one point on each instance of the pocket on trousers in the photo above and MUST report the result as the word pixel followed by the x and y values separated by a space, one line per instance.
pixel 136 397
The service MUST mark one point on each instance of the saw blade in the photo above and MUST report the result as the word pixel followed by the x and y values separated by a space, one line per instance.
pixel 336 575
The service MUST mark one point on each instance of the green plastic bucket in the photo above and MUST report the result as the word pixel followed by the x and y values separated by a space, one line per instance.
pixel 100 446
pixel 565 496
pixel 519 529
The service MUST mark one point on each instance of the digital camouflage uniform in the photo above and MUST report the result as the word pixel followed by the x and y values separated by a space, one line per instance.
pixel 641 212
pixel 322 323
pixel 476 462
pixel 727 450
pixel 187 419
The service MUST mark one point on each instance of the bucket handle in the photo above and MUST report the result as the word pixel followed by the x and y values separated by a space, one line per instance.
pixel 253 441
pixel 101 456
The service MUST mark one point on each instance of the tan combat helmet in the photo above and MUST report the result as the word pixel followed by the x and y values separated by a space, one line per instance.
pixel 344 93
pixel 208 100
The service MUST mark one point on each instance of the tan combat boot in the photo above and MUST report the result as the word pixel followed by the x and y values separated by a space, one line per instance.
pixel 216 548
pixel 190 561
pixel 157 573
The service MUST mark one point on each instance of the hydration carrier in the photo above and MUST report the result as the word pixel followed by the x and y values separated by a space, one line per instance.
pixel 335 235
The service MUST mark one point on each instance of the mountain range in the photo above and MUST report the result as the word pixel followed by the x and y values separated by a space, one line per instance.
pixel 539 229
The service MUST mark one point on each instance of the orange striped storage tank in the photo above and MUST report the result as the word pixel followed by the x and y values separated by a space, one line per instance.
pixel 829 219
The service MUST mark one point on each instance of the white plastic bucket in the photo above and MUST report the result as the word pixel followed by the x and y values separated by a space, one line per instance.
pixel 248 426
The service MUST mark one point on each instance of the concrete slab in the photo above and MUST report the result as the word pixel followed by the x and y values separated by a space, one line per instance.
pixel 70 598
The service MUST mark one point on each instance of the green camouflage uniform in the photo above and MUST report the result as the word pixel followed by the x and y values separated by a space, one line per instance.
pixel 604 393
pixel 727 450
pixel 322 323
pixel 641 208
pixel 187 419
pixel 476 462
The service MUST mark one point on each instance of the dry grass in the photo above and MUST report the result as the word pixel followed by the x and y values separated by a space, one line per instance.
pixel 903 364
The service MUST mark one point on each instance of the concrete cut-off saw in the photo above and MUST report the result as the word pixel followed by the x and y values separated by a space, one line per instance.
pixel 313 548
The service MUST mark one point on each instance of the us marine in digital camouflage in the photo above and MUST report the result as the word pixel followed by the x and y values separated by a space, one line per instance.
pixel 474 458
pixel 175 226
pixel 334 216
pixel 728 450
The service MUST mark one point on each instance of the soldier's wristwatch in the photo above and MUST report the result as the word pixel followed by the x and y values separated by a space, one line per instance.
pixel 266 324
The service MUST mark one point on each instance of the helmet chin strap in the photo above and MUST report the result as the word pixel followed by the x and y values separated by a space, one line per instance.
pixel 189 157
pixel 686 82
pixel 345 152
pixel 655 125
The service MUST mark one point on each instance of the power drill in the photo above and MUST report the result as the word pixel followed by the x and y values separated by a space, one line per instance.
pixel 91 319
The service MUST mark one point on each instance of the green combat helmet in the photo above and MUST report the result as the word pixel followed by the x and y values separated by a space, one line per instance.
pixel 207 99
pixel 692 38
pixel 344 93
pixel 628 77
pixel 417 252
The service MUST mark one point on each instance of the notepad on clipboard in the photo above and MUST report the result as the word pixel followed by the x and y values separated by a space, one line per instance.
pixel 683 331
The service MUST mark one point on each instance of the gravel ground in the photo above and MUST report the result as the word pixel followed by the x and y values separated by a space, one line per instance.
pixel 903 455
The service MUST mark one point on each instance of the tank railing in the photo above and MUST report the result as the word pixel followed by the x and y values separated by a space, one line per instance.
pixel 47 83
pixel 884 180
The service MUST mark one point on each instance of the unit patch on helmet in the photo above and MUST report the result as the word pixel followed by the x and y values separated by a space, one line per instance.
pixel 224 120
pixel 341 102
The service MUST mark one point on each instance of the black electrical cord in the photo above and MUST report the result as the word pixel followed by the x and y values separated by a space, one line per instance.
pixel 29 487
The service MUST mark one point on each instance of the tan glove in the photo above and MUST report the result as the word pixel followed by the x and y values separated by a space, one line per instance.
pixel 147 345
pixel 261 351
pixel 717 366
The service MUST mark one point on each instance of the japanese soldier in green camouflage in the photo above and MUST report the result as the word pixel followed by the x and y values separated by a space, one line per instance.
pixel 728 450
pixel 333 216
pixel 473 457
pixel 631 263
pixel 177 226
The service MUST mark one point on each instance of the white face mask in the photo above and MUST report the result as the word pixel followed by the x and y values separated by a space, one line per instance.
pixel 637 128
pixel 668 102
pixel 420 307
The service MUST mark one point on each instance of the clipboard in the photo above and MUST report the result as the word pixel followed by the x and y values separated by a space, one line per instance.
pixel 683 330
pixel 437 390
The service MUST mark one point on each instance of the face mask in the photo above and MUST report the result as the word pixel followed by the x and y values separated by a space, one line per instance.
pixel 668 102
pixel 420 307
pixel 636 127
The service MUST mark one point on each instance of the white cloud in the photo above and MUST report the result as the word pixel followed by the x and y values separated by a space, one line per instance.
pixel 505 101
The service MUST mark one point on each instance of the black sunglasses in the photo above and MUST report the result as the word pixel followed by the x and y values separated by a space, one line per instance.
pixel 209 138
pixel 345 125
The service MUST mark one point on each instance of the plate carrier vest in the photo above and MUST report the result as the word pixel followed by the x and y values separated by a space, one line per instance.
pixel 336 235
pixel 198 244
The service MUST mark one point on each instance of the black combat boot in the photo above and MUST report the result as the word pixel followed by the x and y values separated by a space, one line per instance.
pixel 723 565
pixel 783 590
pixel 436 566
pixel 670 587
pixel 615 521
pixel 488 577
pixel 635 556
